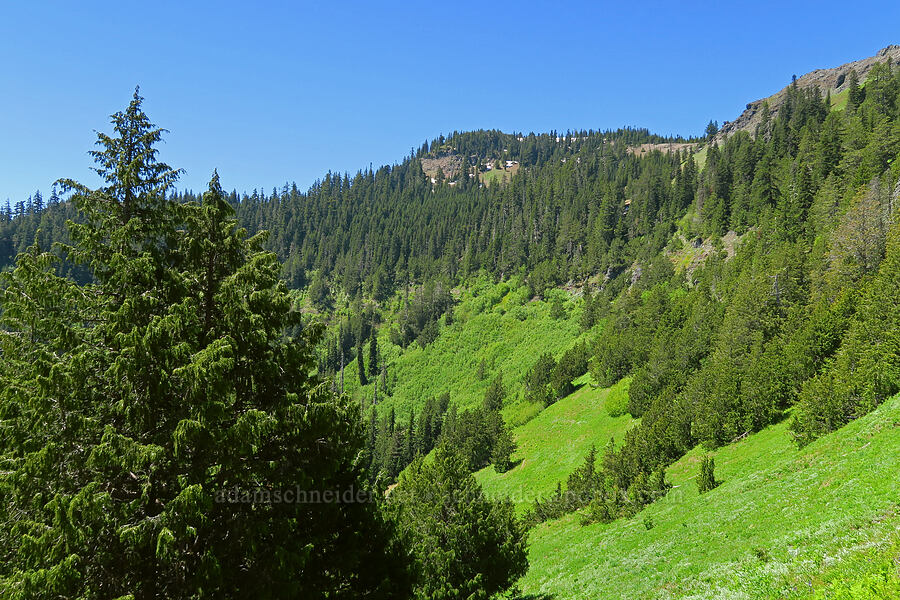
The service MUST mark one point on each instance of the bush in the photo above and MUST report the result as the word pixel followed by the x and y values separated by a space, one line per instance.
pixel 617 400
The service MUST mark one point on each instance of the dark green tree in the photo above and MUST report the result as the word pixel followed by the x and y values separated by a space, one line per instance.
pixel 538 388
pixel 706 479
pixel 855 93
pixel 360 365
pixel 160 413
pixel 373 356
pixel 319 294
pixel 557 308
pixel 465 545
pixel 481 372
pixel 588 311
pixel 504 446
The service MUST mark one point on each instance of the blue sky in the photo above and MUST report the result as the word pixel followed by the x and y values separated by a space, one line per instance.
pixel 274 92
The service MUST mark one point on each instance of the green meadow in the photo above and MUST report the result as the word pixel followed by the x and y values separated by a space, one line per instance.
pixel 783 523
pixel 495 323
pixel 554 444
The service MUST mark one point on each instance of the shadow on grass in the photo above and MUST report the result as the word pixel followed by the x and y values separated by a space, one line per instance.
pixel 575 388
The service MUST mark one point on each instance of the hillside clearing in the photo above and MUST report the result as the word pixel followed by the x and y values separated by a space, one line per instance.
pixel 780 518
pixel 554 443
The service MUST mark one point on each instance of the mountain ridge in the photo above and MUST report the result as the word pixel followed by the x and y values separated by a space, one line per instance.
pixel 834 80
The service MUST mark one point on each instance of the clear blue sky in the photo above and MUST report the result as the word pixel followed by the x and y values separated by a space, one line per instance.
pixel 270 92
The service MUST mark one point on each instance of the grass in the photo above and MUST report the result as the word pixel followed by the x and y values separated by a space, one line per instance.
pixel 700 157
pixel 839 100
pixel 782 519
pixel 554 444
pixel 867 575
pixel 498 175
pixel 497 323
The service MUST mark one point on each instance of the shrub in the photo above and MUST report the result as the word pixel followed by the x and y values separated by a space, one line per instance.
pixel 617 400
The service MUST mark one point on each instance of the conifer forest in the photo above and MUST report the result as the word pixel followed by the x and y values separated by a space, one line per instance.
pixel 580 364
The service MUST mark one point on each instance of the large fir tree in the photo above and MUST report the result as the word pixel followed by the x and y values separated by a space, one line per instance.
pixel 159 428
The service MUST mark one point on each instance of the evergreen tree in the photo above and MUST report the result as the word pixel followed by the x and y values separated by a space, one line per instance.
pixel 319 294
pixel 706 480
pixel 504 446
pixel 481 372
pixel 855 93
pixel 588 311
pixel 360 365
pixel 465 545
pixel 373 356
pixel 557 309
pixel 494 395
pixel 167 394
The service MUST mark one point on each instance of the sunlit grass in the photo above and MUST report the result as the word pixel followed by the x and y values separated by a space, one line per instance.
pixel 780 521
pixel 555 442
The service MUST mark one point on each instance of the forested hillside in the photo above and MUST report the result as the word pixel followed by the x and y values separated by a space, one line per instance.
pixel 728 283
pixel 379 230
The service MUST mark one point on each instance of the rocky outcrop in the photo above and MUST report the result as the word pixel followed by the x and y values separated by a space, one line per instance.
pixel 449 164
pixel 835 80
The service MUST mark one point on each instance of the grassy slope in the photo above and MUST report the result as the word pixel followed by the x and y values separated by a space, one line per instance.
pixel 554 443
pixel 700 157
pixel 498 176
pixel 494 322
pixel 839 100
pixel 781 520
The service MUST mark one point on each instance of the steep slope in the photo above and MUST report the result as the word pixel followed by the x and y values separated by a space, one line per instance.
pixel 543 459
pixel 779 521
pixel 834 80
pixel 497 324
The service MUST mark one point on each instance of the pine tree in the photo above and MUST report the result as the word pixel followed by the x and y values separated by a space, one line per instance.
pixel 494 395
pixel 557 309
pixel 409 452
pixel 54 196
pixel 373 356
pixel 855 94
pixel 151 402
pixel 706 480
pixel 588 311
pixel 481 372
pixel 467 545
pixel 360 365
pixel 504 446
pixel 319 294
